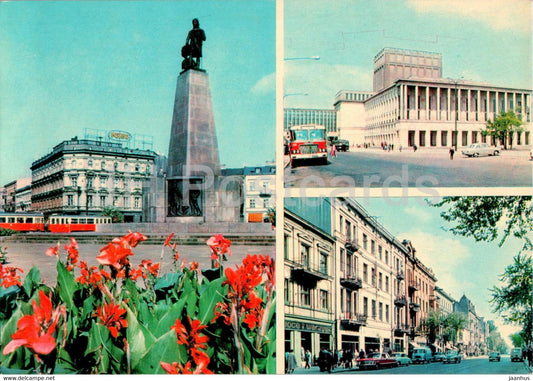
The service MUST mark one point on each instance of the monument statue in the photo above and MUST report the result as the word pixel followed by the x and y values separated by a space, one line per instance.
pixel 192 50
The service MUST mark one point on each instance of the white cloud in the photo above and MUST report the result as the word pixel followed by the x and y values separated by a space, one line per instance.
pixel 265 85
pixel 322 82
pixel 501 15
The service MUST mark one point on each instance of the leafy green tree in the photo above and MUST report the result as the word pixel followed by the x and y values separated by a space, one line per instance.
pixel 115 214
pixel 480 217
pixel 452 325
pixel 503 126
pixel 514 299
pixel 433 325
pixel 517 340
pixel 495 340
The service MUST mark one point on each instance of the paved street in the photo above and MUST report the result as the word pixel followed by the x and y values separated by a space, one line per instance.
pixel 26 256
pixel 475 365
pixel 422 169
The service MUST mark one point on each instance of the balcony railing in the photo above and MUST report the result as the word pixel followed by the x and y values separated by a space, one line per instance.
pixel 401 329
pixel 400 301
pixel 351 245
pixel 352 282
pixel 307 274
pixel 414 307
pixel 353 319
pixel 414 286
pixel 400 275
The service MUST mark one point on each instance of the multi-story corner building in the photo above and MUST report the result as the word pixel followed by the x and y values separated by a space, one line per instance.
pixel 412 104
pixel 420 282
pixel 368 268
pixel 472 337
pixel 84 176
pixel 17 195
pixel 309 271
pixel 259 192
pixel 322 117
pixel 444 302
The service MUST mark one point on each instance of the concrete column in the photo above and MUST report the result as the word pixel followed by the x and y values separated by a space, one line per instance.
pixel 523 107
pixel 514 103
pixel 505 103
pixel 478 108
pixel 468 104
pixel 438 103
pixel 458 105
pixel 416 102
pixel 448 105
pixel 497 105
pixel 427 103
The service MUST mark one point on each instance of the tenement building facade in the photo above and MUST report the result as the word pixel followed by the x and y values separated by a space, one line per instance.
pixel 84 176
pixel 412 105
pixel 349 283
pixel 309 286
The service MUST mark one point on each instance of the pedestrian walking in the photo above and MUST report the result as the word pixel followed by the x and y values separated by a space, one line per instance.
pixel 530 356
pixel 415 148
pixel 333 152
pixel 308 359
pixel 362 354
pixel 452 151
pixel 291 362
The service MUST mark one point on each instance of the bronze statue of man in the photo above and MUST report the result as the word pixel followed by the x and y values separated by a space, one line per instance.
pixel 195 39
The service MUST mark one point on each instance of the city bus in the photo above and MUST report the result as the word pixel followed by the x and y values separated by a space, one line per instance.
pixel 307 142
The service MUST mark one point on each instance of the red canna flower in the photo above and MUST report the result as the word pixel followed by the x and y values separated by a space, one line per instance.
pixel 194 341
pixel 9 276
pixel 72 251
pixel 170 369
pixel 194 266
pixel 132 239
pixel 91 276
pixel 115 255
pixel 148 265
pixel 169 238
pixel 111 317
pixel 35 332
pixel 219 246
pixel 53 251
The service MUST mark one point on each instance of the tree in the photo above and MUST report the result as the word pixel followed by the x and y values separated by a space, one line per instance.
pixel 503 126
pixel 517 340
pixel 480 217
pixel 453 324
pixel 433 325
pixel 514 299
pixel 115 214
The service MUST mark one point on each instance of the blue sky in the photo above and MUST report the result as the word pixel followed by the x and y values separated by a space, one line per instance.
pixel 480 40
pixel 460 264
pixel 67 66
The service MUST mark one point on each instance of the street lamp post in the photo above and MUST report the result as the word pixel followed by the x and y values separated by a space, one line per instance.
pixel 456 81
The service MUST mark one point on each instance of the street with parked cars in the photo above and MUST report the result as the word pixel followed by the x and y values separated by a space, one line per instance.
pixel 404 365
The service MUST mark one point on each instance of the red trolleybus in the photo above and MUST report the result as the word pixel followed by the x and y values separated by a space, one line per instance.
pixel 307 142
pixel 22 222
pixel 68 224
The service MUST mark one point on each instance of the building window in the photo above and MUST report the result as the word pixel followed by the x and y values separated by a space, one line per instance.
pixel 380 311
pixel 380 252
pixel 73 163
pixel 265 203
pixel 365 306
pixel 374 309
pixel 387 313
pixel 102 201
pixel 365 272
pixel 115 200
pixel 323 263
pixel 89 182
pixel 286 290
pixel 373 247
pixel 70 200
pixel 252 203
pixel 137 167
pixel 137 202
pixel 387 283
pixel 380 280
pixel 373 276
pixel 304 255
pixel 90 163
pixel 126 201
pixel 365 242
pixel 386 257
pixel 324 299
pixel 116 165
pixel 305 296
pixel 252 186
pixel 102 164
pixel 103 181
pixel 89 201
pixel 74 181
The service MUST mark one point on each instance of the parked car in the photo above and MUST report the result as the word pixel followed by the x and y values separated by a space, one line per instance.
pixel 438 356
pixel 342 145
pixel 516 354
pixel 377 361
pixel 480 149
pixel 421 355
pixel 452 356
pixel 402 359
pixel 494 356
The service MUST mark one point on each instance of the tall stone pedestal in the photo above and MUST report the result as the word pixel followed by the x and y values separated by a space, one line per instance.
pixel 196 189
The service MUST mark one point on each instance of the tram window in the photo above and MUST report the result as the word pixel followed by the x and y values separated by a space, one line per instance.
pixel 11 219
pixel 82 221
pixel 29 220
pixel 20 220
pixel 90 220
pixel 73 221
pixel 2 219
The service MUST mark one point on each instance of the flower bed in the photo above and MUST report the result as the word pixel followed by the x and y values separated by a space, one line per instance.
pixel 117 318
